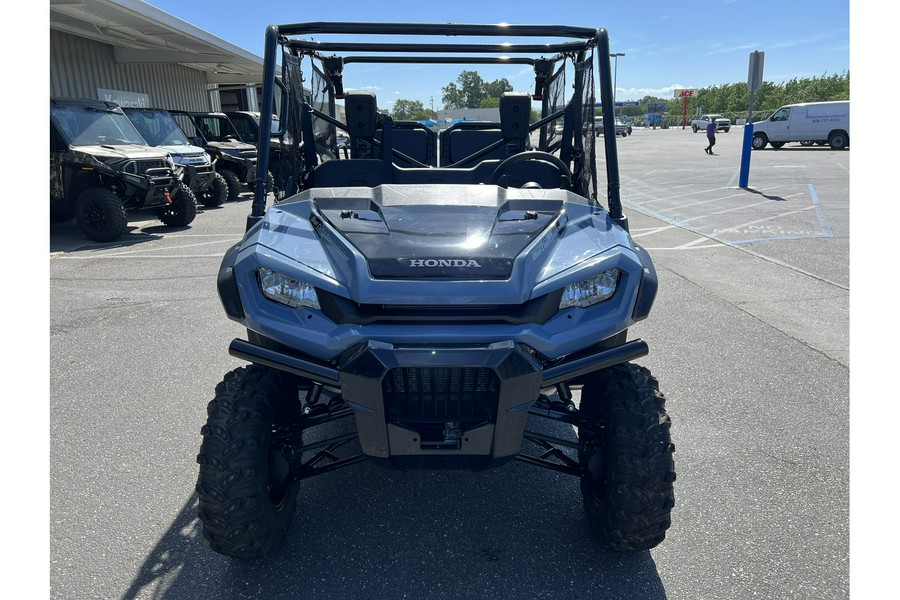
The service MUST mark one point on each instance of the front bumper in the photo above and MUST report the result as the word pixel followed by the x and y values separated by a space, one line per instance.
pixel 199 178
pixel 440 401
pixel 150 188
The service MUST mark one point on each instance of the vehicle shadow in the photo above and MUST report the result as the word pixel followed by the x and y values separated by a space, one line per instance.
pixel 67 237
pixel 513 532
pixel 799 148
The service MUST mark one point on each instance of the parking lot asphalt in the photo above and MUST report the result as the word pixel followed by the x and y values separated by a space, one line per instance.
pixel 749 338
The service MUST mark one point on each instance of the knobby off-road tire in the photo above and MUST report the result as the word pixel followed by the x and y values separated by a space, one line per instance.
pixel 245 501
pixel 183 209
pixel 101 215
pixel 215 194
pixel 234 184
pixel 628 492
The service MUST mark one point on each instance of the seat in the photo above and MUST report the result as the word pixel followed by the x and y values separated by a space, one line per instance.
pixel 362 168
pixel 462 140
pixel 414 140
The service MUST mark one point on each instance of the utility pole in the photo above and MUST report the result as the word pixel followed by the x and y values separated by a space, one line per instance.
pixel 615 55
pixel 754 82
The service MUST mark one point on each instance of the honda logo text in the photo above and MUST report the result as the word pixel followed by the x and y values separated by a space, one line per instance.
pixel 443 262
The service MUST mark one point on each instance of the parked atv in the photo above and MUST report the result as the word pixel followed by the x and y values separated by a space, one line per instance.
pixel 247 125
pixel 444 308
pixel 235 159
pixel 101 167
pixel 193 165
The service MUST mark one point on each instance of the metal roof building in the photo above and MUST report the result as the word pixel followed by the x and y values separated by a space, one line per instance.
pixel 133 53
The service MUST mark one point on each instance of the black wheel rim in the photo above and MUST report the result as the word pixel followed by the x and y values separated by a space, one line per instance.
pixel 94 217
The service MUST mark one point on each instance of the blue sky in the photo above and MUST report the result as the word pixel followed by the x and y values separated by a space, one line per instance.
pixel 667 45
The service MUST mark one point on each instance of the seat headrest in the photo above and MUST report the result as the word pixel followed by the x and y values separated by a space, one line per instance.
pixel 515 112
pixel 362 114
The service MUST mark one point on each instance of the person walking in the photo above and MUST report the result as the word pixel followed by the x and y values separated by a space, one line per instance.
pixel 710 135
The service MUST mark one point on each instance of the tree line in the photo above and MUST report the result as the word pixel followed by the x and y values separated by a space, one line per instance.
pixel 731 99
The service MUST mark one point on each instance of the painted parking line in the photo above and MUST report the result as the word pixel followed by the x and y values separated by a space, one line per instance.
pixel 713 232
pixel 144 252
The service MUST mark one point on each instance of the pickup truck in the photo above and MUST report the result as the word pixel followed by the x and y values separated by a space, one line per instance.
pixel 621 127
pixel 722 124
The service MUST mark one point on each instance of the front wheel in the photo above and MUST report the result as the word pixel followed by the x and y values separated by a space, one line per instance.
pixel 759 141
pixel 246 494
pixel 215 193
pixel 234 183
pixel 627 487
pixel 776 145
pixel 182 209
pixel 101 215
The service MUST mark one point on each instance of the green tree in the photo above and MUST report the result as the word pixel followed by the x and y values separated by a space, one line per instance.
pixel 411 110
pixel 470 90
pixel 733 99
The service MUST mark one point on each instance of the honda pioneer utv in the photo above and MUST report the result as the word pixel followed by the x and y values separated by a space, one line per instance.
pixel 234 158
pixel 193 165
pixel 441 309
pixel 101 167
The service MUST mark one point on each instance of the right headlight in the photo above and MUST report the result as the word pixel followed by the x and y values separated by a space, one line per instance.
pixel 590 291
pixel 286 290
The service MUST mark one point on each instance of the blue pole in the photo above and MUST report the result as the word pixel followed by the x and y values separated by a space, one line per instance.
pixel 745 154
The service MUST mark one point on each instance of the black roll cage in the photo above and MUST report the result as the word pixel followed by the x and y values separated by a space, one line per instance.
pixel 587 39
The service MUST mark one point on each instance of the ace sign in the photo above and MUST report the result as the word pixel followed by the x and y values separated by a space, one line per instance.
pixel 684 95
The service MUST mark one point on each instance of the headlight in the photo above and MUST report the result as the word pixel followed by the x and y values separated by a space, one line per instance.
pixel 286 290
pixel 591 290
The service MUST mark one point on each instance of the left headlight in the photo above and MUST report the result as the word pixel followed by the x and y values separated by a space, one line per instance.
pixel 590 291
pixel 286 290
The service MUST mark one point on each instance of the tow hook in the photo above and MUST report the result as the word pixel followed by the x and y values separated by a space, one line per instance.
pixel 168 198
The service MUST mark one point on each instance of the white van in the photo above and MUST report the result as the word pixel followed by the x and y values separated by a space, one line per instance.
pixel 808 123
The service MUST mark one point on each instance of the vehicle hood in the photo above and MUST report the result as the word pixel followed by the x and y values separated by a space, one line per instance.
pixel 183 150
pixel 123 151
pixel 438 240
pixel 440 232
pixel 187 154
pixel 239 146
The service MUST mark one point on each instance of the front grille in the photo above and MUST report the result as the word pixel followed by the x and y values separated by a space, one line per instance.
pixel 248 153
pixel 193 159
pixel 440 394
pixel 140 167
pixel 342 310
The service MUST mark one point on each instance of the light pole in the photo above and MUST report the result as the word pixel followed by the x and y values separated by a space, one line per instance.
pixel 616 56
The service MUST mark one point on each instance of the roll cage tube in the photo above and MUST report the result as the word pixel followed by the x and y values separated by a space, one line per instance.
pixel 278 35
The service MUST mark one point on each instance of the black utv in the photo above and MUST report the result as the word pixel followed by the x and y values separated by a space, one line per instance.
pixel 101 167
pixel 246 123
pixel 235 159
pixel 193 165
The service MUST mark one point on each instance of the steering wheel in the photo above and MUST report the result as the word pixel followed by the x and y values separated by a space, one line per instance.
pixel 533 155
